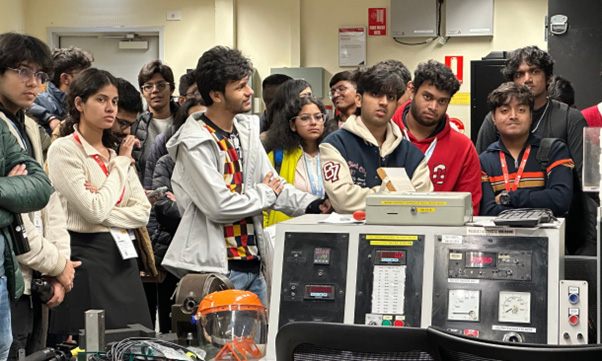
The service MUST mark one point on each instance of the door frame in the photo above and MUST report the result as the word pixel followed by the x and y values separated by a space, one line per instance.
pixel 54 33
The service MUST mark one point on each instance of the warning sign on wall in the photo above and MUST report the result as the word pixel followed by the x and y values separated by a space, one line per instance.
pixel 377 21
pixel 456 64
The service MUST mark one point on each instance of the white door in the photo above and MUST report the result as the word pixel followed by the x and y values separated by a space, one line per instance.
pixel 124 63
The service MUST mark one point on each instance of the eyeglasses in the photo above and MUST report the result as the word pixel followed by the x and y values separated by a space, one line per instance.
pixel 160 86
pixel 340 89
pixel 26 73
pixel 194 94
pixel 305 119
pixel 123 124
pixel 305 95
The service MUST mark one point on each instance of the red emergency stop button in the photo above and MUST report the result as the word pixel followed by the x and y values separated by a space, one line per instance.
pixel 574 320
pixel 398 323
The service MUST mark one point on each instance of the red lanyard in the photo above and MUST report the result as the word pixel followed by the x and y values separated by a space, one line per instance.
pixel 102 166
pixel 519 173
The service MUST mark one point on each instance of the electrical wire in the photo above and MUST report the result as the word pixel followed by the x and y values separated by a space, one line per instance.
pixel 429 40
pixel 120 349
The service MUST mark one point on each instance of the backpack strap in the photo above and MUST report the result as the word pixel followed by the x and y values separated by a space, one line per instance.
pixel 559 119
pixel 543 155
pixel 278 155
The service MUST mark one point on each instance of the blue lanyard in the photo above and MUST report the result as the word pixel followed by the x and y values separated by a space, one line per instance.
pixel 18 132
pixel 319 190
pixel 430 150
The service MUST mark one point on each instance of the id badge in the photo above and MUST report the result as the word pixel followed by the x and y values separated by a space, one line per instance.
pixel 37 222
pixel 124 243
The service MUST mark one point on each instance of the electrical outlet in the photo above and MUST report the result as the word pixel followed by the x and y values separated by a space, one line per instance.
pixel 174 15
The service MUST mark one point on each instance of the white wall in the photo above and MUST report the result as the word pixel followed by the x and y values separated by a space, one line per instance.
pixel 276 33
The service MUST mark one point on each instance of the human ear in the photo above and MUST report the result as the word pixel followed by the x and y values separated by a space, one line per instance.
pixel 358 100
pixel 78 103
pixel 293 126
pixel 216 96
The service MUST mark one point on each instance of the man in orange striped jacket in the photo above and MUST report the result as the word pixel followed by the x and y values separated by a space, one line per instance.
pixel 512 176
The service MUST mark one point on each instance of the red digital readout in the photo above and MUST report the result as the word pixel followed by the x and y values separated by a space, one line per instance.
pixel 481 260
pixel 319 289
pixel 391 254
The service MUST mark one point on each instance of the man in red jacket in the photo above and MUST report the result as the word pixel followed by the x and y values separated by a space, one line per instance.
pixel 452 158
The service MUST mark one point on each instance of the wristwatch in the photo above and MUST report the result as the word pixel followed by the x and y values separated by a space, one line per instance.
pixel 505 198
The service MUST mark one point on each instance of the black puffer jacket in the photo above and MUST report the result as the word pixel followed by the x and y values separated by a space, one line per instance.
pixel 166 210
pixel 140 130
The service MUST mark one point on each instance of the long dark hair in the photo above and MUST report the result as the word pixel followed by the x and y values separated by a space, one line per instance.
pixel 86 84
pixel 281 136
pixel 288 90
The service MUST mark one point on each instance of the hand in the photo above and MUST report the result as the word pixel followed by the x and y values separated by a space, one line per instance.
pixel 66 277
pixel 170 196
pixel 59 295
pixel 19 169
pixel 90 187
pixel 152 199
pixel 127 145
pixel 53 123
pixel 273 182
pixel 326 206
pixel 497 198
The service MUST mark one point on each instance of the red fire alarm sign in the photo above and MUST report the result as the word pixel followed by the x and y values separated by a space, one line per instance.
pixel 377 21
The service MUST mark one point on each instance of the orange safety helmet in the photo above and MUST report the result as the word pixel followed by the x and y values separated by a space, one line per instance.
pixel 230 300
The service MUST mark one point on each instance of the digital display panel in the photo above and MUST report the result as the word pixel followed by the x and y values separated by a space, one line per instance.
pixel 319 292
pixel 390 257
pixel 476 259
pixel 322 256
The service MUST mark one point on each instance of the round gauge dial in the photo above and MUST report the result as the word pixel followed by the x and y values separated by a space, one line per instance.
pixel 463 305
pixel 514 307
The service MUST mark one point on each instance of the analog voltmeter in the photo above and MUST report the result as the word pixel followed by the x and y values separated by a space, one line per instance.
pixel 514 307
pixel 463 305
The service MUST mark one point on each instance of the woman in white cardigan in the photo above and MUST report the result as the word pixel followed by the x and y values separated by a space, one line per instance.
pixel 104 202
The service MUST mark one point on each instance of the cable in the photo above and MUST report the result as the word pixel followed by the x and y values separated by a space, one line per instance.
pixel 429 40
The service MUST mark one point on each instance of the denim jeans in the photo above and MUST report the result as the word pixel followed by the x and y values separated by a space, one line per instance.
pixel 6 334
pixel 250 281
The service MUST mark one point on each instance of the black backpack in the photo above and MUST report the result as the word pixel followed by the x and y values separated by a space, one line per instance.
pixel 580 232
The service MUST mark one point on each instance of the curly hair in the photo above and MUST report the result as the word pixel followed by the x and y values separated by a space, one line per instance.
pixel 561 89
pixel 290 89
pixel 156 67
pixel 400 68
pixel 85 85
pixel 508 91
pixel 281 136
pixel 182 113
pixel 438 74
pixel 531 55
pixel 18 48
pixel 217 67
pixel 67 60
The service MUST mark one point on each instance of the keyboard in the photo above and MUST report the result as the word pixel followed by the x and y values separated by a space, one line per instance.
pixel 523 217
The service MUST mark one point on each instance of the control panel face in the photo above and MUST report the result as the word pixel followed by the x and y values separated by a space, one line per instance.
pixel 488 286
pixel 389 280
pixel 314 274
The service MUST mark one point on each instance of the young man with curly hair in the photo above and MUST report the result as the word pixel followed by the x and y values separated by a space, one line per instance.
pixel 223 179
pixel 452 159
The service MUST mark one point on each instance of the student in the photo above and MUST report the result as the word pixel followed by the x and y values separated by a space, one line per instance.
pixel 103 198
pixel 25 58
pixel 156 82
pixel 512 177
pixel 128 108
pixel 294 137
pixel 223 179
pixel 187 89
pixel 351 155
pixel 269 87
pixel 452 159
pixel 342 94
pixel 48 107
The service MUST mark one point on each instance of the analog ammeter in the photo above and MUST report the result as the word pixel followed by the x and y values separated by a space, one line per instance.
pixel 514 307
pixel 463 305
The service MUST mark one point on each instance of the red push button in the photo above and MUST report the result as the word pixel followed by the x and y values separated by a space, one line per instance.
pixel 398 323
pixel 574 320
pixel 471 333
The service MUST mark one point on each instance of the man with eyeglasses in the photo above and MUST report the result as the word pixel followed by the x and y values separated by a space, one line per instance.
pixel 188 89
pixel 223 180
pixel 367 141
pixel 24 61
pixel 451 156
pixel 342 94
pixel 48 107
pixel 128 108
pixel 156 82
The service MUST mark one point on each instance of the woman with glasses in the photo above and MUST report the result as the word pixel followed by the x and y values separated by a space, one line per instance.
pixel 296 132
pixel 104 201
pixel 290 89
